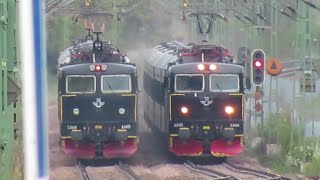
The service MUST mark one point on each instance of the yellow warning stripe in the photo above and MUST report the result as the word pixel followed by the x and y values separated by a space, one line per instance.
pixel 132 137
pixel 174 135
pixel 121 130
pixel 65 137
pixel 235 94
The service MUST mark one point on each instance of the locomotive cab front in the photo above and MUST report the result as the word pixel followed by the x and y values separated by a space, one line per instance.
pixel 205 102
pixel 98 110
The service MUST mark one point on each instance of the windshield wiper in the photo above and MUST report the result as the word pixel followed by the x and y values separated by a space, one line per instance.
pixel 219 87
pixel 109 86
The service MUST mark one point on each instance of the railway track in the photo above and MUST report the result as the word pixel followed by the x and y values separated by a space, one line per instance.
pixel 209 172
pixel 122 167
pixel 260 174
pixel 217 174
pixel 82 170
pixel 125 169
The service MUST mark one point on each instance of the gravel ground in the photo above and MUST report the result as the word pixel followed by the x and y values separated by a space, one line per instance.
pixel 61 167
pixel 105 173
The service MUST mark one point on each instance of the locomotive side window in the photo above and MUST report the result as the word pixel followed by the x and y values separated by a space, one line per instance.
pixel 81 84
pixel 116 83
pixel 224 83
pixel 189 83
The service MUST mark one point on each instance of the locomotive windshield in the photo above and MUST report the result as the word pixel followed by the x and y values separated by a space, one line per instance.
pixel 189 83
pixel 116 83
pixel 80 84
pixel 224 83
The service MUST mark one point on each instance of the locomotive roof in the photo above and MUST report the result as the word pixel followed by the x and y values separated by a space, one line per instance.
pixel 193 68
pixel 84 69
pixel 167 53
pixel 82 52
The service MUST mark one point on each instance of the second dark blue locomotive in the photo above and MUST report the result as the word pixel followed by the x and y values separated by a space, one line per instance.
pixel 195 98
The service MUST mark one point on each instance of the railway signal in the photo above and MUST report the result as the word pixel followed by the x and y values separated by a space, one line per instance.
pixel 258 65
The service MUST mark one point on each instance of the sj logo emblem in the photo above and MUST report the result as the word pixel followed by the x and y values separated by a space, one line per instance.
pixel 98 103
pixel 206 101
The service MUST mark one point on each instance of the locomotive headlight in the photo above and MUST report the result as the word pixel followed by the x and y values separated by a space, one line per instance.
pixel 184 110
pixel 212 67
pixel 76 111
pixel 122 110
pixel 229 110
pixel 201 67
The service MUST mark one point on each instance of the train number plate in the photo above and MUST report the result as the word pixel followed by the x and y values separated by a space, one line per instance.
pixel 126 126
pixel 178 125
pixel 234 125
pixel 71 127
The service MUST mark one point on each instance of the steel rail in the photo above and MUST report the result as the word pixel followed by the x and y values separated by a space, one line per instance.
pixel 82 170
pixel 262 174
pixel 209 172
pixel 124 168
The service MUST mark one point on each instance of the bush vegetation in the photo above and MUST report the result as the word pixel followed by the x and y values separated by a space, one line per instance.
pixel 296 149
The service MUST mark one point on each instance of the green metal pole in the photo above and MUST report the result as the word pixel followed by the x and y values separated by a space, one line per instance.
pixel 9 78
pixel 274 53
pixel 299 32
pixel 307 33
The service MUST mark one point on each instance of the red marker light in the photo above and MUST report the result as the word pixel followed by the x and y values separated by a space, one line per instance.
pixel 98 68
pixel 184 110
pixel 258 63
pixel 201 67
pixel 212 67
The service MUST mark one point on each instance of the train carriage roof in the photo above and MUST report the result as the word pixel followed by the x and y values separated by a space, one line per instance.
pixel 193 68
pixel 84 69
pixel 161 57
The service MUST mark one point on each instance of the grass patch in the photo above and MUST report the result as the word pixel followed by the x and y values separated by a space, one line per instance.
pixel 296 150
pixel 313 169
pixel 277 163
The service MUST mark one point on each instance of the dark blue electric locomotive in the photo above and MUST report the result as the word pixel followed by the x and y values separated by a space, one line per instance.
pixel 195 98
pixel 98 91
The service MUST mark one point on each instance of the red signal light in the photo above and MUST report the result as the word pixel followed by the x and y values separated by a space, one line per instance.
pixel 258 67
pixel 258 63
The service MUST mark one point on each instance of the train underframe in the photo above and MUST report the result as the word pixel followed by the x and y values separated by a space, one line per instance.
pixel 206 141
pixel 107 142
